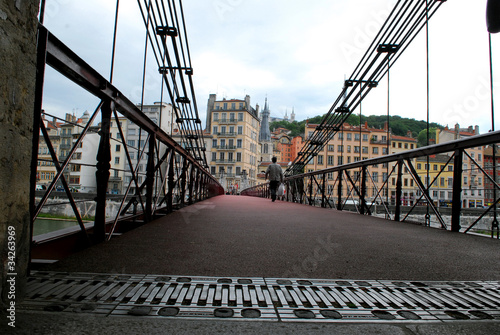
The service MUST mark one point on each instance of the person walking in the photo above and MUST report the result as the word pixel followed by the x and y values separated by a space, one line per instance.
pixel 275 176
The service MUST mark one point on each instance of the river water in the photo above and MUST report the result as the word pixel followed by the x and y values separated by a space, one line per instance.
pixel 43 225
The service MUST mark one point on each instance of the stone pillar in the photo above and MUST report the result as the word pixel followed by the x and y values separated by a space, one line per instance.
pixel 18 30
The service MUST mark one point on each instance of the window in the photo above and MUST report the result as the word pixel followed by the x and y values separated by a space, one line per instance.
pixel 231 129
pixel 349 136
pixel 239 143
pixel 375 177
pixel 240 115
pixel 222 156
pixel 435 167
pixel 231 117
pixel 330 160
pixel 365 137
pixel 214 156
pixel 384 151
pixel 465 180
pixel 214 143
pixel 238 170
pixel 222 143
pixel 118 148
pixel 441 181
pixel 238 157
pixel 240 130
pixel 450 181
pixel 339 160
pixel 340 148
pixel 117 160
pixel 223 129
pixel 348 148
pixel 356 149
pixel 375 150
pixel 215 129
pixel 216 116
pixel 406 145
pixel 131 143
pixel 365 150
pixel 356 137
pixel 331 147
pixel 230 156
pixel 212 170
pixel 320 159
pixel 450 167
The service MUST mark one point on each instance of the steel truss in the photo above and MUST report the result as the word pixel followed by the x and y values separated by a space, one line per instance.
pixel 325 187
pixel 174 176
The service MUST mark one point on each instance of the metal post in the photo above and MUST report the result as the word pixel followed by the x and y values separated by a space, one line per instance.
pixel 363 190
pixel 102 173
pixel 399 187
pixel 37 116
pixel 339 192
pixel 183 182
pixel 150 173
pixel 457 191
pixel 310 190
pixel 170 193
pixel 323 196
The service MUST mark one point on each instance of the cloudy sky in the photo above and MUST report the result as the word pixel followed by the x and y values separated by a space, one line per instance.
pixel 294 52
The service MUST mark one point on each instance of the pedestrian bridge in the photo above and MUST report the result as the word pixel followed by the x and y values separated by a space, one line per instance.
pixel 240 257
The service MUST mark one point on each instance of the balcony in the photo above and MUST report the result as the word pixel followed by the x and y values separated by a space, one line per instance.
pixel 231 134
pixel 224 147
pixel 226 121
pixel 225 161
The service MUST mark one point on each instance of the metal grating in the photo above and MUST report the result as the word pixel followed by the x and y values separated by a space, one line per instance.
pixel 262 299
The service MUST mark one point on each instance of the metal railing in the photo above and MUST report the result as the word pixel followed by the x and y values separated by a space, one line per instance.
pixel 347 187
pixel 172 177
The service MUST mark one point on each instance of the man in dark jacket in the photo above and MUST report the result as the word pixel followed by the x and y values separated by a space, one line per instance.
pixel 275 176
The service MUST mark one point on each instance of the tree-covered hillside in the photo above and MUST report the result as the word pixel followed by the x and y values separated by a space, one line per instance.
pixel 399 125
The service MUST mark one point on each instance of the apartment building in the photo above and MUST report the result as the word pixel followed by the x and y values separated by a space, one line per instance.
pixel 234 126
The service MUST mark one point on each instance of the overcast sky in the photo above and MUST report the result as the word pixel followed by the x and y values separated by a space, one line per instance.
pixel 294 52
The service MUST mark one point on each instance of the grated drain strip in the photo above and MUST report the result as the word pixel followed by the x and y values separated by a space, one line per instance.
pixel 263 299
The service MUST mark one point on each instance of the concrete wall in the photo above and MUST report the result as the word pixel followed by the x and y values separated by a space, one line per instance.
pixel 18 22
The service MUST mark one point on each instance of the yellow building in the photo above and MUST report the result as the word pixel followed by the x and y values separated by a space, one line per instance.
pixel 441 177
pixel 234 126
pixel 46 169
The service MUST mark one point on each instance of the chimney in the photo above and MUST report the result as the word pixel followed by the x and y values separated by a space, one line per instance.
pixel 457 130
pixel 470 129
pixel 366 124
pixel 476 130
pixel 409 134
pixel 386 125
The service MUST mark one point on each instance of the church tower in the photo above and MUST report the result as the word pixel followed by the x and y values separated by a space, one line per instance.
pixel 265 136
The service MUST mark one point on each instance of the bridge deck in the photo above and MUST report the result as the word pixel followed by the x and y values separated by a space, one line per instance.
pixel 252 237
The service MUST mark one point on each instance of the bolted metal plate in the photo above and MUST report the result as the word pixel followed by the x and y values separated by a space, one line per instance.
pixel 262 299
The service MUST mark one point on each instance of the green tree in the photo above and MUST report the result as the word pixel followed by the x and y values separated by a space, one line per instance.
pixel 422 136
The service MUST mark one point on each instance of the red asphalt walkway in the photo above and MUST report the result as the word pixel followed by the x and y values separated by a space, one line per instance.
pixel 247 236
